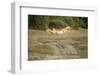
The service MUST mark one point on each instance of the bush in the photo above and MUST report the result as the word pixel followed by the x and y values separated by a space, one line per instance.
pixel 39 22
pixel 58 24
pixel 44 22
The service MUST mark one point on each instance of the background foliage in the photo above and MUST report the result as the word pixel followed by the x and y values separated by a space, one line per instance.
pixel 43 22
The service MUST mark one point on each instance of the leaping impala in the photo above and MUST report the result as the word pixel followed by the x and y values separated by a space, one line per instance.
pixel 59 31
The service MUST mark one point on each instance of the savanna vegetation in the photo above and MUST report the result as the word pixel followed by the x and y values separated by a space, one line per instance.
pixel 43 45
pixel 43 22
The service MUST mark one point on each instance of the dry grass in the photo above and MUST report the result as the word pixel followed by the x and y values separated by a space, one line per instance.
pixel 44 45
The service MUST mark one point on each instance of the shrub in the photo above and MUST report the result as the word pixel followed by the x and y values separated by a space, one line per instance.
pixel 38 22
pixel 44 22
pixel 58 24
